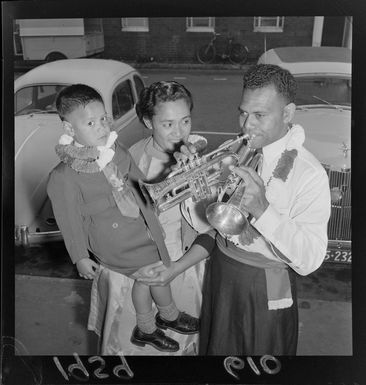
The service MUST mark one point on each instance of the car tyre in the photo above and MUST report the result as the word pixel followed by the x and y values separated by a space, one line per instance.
pixel 53 56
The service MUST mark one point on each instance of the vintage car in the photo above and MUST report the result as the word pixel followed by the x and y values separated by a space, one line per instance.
pixel 38 128
pixel 323 109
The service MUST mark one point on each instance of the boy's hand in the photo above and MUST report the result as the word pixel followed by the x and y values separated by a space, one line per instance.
pixel 87 268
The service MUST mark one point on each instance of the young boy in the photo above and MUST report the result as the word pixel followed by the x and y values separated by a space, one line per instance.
pixel 98 208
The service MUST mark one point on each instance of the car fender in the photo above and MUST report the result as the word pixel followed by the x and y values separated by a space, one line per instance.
pixel 32 168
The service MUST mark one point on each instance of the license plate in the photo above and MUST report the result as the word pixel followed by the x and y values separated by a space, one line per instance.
pixel 338 256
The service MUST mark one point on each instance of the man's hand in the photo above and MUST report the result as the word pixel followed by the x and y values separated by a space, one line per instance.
pixel 149 271
pixel 87 268
pixel 254 199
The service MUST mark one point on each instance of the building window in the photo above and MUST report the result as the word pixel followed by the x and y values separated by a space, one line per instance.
pixel 200 24
pixel 269 24
pixel 135 24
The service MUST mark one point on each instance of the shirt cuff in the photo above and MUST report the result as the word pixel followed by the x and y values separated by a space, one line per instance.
pixel 268 222
pixel 207 241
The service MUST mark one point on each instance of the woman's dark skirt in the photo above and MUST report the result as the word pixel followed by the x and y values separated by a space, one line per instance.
pixel 235 319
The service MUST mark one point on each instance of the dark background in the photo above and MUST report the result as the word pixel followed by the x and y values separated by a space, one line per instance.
pixel 295 370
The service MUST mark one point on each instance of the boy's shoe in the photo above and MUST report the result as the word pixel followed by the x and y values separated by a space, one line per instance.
pixel 184 324
pixel 157 339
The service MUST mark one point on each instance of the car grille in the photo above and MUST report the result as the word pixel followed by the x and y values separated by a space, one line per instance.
pixel 339 226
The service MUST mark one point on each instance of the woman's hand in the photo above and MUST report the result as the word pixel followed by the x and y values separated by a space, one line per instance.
pixel 149 271
pixel 187 151
pixel 161 277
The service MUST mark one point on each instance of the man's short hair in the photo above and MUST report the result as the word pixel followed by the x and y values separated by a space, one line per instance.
pixel 262 75
pixel 75 96
pixel 162 91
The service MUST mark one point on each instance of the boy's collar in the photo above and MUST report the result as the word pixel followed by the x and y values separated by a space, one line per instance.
pixel 68 139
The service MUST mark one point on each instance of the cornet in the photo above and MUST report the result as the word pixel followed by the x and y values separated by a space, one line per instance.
pixel 198 179
pixel 227 215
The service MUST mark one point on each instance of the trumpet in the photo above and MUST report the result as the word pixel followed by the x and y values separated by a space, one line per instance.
pixel 198 179
pixel 227 214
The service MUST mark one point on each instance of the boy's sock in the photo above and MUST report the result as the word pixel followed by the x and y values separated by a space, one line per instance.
pixel 146 322
pixel 169 313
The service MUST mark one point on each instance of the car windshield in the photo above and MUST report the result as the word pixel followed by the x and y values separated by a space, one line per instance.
pixel 323 90
pixel 37 99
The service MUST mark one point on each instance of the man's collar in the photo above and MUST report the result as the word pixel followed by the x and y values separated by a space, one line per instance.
pixel 273 150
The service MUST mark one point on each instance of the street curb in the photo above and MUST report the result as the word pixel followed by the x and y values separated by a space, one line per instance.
pixel 23 66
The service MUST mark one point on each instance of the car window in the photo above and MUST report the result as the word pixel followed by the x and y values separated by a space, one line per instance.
pixel 37 99
pixel 139 85
pixel 122 99
pixel 323 90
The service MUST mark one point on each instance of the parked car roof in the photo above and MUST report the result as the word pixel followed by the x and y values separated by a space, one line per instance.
pixel 311 60
pixel 72 71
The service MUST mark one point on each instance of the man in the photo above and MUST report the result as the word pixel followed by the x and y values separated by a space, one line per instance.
pixel 249 295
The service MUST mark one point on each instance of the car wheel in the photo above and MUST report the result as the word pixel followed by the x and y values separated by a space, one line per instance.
pixel 53 56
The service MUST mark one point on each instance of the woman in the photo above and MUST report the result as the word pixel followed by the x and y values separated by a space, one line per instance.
pixel 165 109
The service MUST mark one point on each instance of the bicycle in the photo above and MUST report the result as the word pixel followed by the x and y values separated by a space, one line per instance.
pixel 235 52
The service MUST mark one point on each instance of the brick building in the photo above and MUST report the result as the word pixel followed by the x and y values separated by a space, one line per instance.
pixel 175 39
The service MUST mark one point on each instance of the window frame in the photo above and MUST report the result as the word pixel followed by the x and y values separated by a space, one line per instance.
pixel 257 21
pixel 191 28
pixel 132 97
pixel 17 41
pixel 135 28
pixel 138 89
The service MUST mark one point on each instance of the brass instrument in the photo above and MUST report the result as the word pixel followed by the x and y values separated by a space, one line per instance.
pixel 198 178
pixel 227 214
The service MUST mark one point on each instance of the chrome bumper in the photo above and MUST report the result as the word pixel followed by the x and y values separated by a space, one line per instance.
pixel 25 238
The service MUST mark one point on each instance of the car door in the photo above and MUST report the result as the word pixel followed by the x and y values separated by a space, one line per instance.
pixel 126 123
pixel 37 128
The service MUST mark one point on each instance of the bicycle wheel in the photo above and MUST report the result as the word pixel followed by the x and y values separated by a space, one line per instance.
pixel 206 54
pixel 238 54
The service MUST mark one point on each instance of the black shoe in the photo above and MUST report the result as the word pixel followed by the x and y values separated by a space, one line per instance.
pixel 157 339
pixel 184 324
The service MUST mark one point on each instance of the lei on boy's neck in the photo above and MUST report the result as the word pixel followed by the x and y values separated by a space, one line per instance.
pixel 88 159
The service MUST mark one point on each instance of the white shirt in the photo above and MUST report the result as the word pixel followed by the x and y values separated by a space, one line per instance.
pixel 295 222
pixel 294 226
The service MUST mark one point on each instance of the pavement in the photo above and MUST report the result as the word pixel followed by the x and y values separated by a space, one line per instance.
pixel 52 305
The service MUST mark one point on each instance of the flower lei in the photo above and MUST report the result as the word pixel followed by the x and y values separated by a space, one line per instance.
pixel 88 159
pixel 275 188
pixel 94 159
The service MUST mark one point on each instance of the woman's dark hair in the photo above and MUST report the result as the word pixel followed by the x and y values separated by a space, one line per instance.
pixel 74 96
pixel 163 91
pixel 262 75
